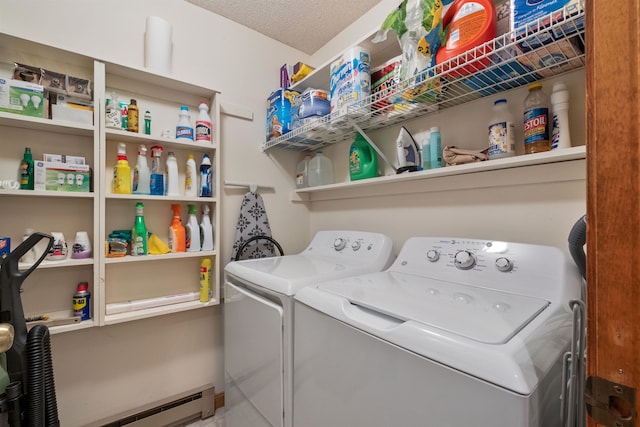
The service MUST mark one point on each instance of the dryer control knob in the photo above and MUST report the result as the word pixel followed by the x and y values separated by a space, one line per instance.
pixel 433 255
pixel 464 260
pixel 355 245
pixel 339 244
pixel 504 264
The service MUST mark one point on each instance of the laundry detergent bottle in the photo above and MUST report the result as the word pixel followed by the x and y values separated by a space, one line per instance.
pixel 363 160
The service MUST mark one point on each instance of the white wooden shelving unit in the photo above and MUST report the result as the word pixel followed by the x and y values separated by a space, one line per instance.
pixel 49 289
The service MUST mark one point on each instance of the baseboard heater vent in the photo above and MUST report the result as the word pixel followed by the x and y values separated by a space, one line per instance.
pixel 173 411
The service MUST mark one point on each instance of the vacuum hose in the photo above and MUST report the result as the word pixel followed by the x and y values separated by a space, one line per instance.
pixel 577 240
pixel 42 406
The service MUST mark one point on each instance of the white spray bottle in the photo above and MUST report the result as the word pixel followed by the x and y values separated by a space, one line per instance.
pixel 206 230
pixel 193 230
pixel 141 176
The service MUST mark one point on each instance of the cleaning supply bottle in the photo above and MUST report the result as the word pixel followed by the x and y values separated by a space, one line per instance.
pixel 147 122
pixel 320 170
pixel 203 124
pixel 191 178
pixel 192 230
pixel 173 189
pixel 206 230
pixel 502 141
pixel 184 128
pixel 26 170
pixel 205 280
pixel 122 172
pixel 139 237
pixel 560 137
pixel 177 234
pixel 426 154
pixel 133 116
pixel 206 180
pixel 30 256
pixel 435 148
pixel 81 306
pixel 302 172
pixel 363 160
pixel 141 176
pixel 113 117
pixel 157 175
pixel 536 120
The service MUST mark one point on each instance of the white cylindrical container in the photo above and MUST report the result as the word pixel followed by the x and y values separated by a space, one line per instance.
pixel 502 141
pixel 560 137
pixel 141 175
pixel 158 47
pixel 184 128
pixel 81 246
pixel 191 178
pixel 29 257
pixel 320 170
pixel 173 189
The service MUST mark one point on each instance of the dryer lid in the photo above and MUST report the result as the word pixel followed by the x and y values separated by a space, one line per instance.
pixel 483 315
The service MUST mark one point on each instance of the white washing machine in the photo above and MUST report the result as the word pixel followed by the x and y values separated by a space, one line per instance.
pixel 258 319
pixel 456 333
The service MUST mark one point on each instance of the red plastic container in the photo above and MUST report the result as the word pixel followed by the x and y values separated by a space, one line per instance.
pixel 471 23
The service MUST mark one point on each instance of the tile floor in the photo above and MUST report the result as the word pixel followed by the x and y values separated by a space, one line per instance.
pixel 216 421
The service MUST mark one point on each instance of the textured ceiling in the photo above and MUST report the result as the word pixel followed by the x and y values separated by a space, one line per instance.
pixel 306 25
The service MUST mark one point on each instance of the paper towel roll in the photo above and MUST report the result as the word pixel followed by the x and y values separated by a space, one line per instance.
pixel 158 46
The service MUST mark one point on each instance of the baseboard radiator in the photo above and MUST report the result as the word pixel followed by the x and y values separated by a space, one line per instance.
pixel 176 410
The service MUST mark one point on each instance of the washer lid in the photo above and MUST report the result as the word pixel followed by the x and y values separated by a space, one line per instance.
pixel 288 274
pixel 480 314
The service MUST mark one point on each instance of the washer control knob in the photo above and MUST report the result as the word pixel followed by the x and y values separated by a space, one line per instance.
pixel 339 244
pixel 504 264
pixel 355 245
pixel 464 260
pixel 433 255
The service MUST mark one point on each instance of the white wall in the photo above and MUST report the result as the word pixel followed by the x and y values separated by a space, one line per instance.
pixel 102 371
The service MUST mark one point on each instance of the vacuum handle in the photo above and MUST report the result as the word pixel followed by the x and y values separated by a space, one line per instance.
pixel 10 263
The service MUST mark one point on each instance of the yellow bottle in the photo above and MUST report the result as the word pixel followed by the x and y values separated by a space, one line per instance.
pixel 205 280
pixel 122 172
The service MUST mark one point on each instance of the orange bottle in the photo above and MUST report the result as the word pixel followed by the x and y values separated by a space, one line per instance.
pixel 177 235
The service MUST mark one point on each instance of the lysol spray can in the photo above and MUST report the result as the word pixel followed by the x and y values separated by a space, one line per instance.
pixel 81 300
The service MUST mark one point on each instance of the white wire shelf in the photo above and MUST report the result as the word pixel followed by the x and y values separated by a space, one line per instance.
pixel 551 46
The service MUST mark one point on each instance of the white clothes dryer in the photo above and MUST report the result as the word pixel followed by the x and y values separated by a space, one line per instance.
pixel 258 319
pixel 456 333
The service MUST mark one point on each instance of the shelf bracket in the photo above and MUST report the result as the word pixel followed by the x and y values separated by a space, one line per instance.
pixel 373 144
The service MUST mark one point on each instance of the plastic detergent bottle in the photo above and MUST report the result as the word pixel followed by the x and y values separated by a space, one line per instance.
pixel 139 237
pixel 26 170
pixel 502 141
pixel 363 161
pixel 132 116
pixel 435 148
pixel 177 234
pixel 30 256
pixel 205 280
pixel 302 172
pixel 184 128
pixel 141 175
pixel 173 188
pixel 122 172
pixel 560 137
pixel 320 170
pixel 192 231
pixel 206 230
pixel 426 154
pixel 206 180
pixel 113 117
pixel 536 120
pixel 157 176
pixel 191 178
pixel 203 124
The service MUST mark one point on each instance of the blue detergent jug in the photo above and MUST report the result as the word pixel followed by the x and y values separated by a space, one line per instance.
pixel 363 160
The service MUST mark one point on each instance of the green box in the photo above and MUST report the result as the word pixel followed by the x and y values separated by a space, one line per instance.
pixel 56 176
pixel 21 97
